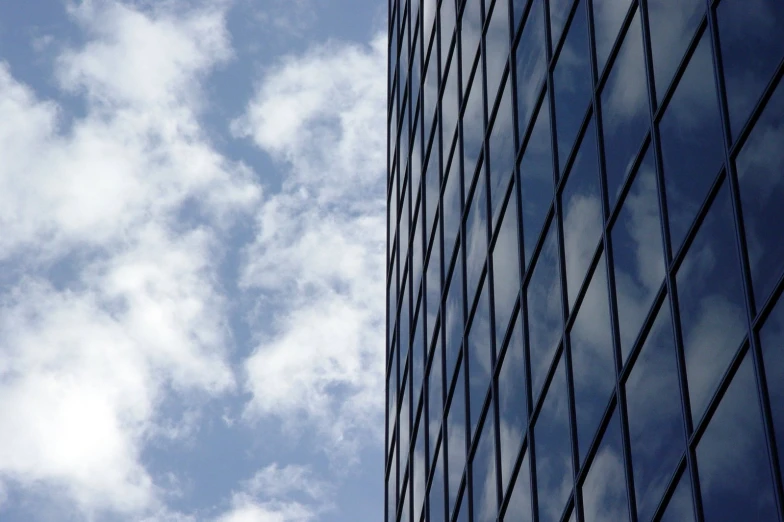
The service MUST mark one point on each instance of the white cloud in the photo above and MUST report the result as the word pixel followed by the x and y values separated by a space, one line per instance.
pixel 110 228
pixel 319 250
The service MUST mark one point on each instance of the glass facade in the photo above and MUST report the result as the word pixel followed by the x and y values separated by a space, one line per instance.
pixel 585 260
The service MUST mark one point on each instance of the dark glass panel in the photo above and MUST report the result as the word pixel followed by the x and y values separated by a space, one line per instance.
pixel 760 167
pixel 416 73
pixel 772 341
pixel 430 93
pixel 480 358
pixel 461 513
pixel 405 417
pixel 536 178
pixel 453 317
pixel 447 20
pixel 418 473
pixel 544 312
pixel 416 251
pixel 476 234
pixel 638 256
pixel 452 208
pixel 436 494
pixel 473 125
pixel 593 365
pixel 483 474
pixel 625 117
pixel 712 309
pixel 751 48
pixel 418 360
pixel 501 149
pixel 403 324
pixel 470 33
pixel 391 402
pixel 428 19
pixel 435 398
pixel 582 214
pixel 553 450
pixel 680 507
pixel 506 269
pixel 519 508
pixel 432 190
pixel 672 26
pixel 572 83
pixel 691 142
pixel 654 415
pixel 456 436
pixel 604 489
pixel 559 10
pixel 496 46
pixel 608 17
pixel 450 109
pixel 392 487
pixel 512 407
pixel 734 471
pixel 433 284
pixel 531 64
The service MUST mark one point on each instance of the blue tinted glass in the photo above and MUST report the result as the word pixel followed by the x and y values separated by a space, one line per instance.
pixel 604 489
pixel 544 312
pixel 672 27
pixel 456 436
pixel 480 357
pixel 501 150
pixel 691 143
pixel 712 310
pixel 418 473
pixel 772 340
pixel 536 179
pixel 572 83
pixel 450 109
pixel 447 20
pixel 473 127
pixel 496 45
pixel 680 507
pixel 404 423
pixel 638 256
pixel 435 398
pixel 417 361
pixel 519 507
pixel 559 10
pixel 608 17
pixel 761 177
pixel 436 498
pixel 593 365
pixel 653 406
pixel 582 214
pixel 531 64
pixel 392 488
pixel 430 93
pixel 470 32
pixel 512 406
pixel 452 314
pixel 433 285
pixel 476 235
pixel 451 206
pixel 751 48
pixel 553 451
pixel 735 477
pixel 506 269
pixel 624 108
pixel 483 474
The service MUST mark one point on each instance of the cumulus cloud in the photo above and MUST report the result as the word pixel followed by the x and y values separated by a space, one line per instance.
pixel 319 248
pixel 110 236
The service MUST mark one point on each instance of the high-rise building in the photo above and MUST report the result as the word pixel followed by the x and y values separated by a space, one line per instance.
pixel 585 260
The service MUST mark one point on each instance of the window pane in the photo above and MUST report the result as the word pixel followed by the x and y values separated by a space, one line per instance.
pixel 456 436
pixel 480 358
pixel 604 489
pixel 625 116
pixel 476 234
pixel 496 45
pixel 760 167
pixel 751 48
pixel 772 340
pixel 483 474
pixel 531 64
pixel 470 32
pixel 433 285
pixel 418 473
pixel 473 126
pixel 712 309
pixel 519 508
pixel 501 147
pixel 536 179
pixel 608 17
pixel 672 27
pixel 512 406
pixel 559 10
pixel 582 214
pixel 435 398
pixel 418 361
pixel 436 493
pixel 637 253
pixel 544 312
pixel 452 208
pixel 654 415
pixel 735 477
pixel 572 83
pixel 593 365
pixel 453 317
pixel 691 142
pixel 506 269
pixel 680 507
pixel 552 450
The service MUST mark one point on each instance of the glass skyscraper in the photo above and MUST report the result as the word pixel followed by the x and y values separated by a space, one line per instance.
pixel 585 260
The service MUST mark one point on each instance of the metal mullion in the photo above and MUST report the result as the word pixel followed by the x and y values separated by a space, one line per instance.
pixel 601 77
pixel 556 47
pixel 745 265
pixel 642 335
pixel 597 439
pixel 563 175
pixel 514 473
pixel 619 393
pixel 669 490
pixel 627 183
pixel 664 220
pixel 525 134
pixel 769 304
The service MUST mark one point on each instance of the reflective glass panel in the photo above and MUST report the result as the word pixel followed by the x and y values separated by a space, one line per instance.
pixel 519 507
pixel 544 312
pixel 608 17
pixel 496 45
pixel 593 365
pixel 418 360
pixel 559 11
pixel 553 451
pixel 712 309
pixel 691 142
pixel 624 108
pixel 572 83
pixel 536 179
pixel 680 507
pixel 436 494
pixel 452 208
pixel 470 32
pixel 531 64
pixel 638 256
pixel 483 474
pixel 450 110
pixel 653 405
pixel 512 405
pixel 604 489
pixel 772 341
pixel 418 473
pixel 751 48
pixel 435 398
pixel 453 317
pixel 476 234
pixel 506 269
pixel 501 148
pixel 735 477
pixel 433 286
pixel 447 20
pixel 582 214
pixel 456 436
pixel 480 357
pixel 760 167
pixel 473 126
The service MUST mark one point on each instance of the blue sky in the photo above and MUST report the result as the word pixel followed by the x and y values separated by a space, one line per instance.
pixel 191 300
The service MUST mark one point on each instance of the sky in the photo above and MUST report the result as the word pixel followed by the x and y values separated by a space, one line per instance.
pixel 191 259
